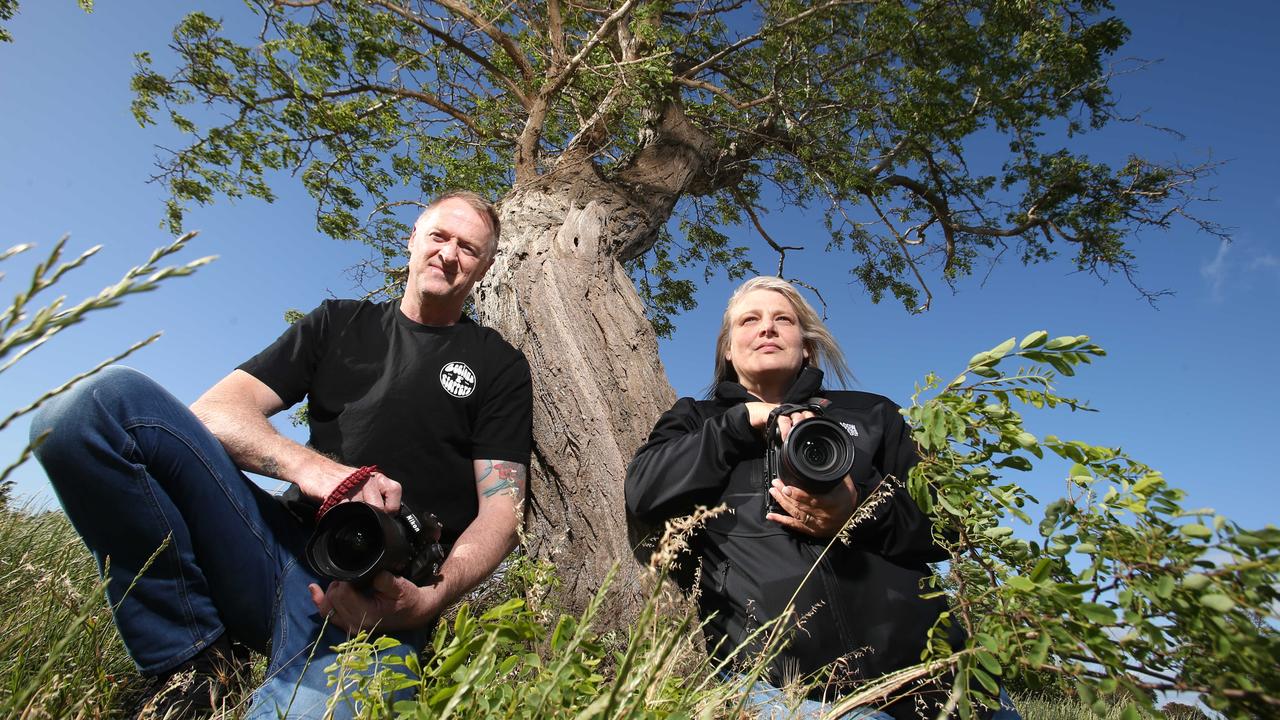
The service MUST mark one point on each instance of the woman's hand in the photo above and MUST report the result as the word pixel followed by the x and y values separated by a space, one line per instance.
pixel 758 414
pixel 822 515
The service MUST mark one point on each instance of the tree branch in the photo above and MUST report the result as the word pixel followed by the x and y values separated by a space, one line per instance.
pixel 507 81
pixel 941 210
pixel 906 254
pixel 722 93
pixel 564 74
pixel 503 40
pixel 764 32
pixel 755 220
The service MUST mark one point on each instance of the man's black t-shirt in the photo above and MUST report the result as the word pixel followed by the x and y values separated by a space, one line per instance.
pixel 420 402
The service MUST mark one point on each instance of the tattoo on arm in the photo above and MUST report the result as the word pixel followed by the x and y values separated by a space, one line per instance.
pixel 502 477
pixel 268 466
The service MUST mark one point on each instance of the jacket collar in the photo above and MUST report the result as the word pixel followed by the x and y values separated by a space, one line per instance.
pixel 807 384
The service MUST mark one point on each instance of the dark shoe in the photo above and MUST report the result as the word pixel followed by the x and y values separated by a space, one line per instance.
pixel 196 688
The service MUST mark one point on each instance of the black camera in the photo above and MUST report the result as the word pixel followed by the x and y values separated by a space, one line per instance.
pixel 353 541
pixel 816 456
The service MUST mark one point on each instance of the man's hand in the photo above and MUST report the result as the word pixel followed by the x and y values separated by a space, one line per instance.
pixel 821 515
pixel 394 604
pixel 379 490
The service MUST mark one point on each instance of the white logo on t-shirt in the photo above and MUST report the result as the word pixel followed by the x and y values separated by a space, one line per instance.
pixel 853 429
pixel 457 379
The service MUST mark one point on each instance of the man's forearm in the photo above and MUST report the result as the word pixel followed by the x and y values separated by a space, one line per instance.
pixel 479 550
pixel 235 411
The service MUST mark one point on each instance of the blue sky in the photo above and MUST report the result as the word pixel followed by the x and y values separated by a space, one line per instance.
pixel 1188 387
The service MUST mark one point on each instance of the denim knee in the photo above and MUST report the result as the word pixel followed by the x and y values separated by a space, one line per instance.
pixel 62 418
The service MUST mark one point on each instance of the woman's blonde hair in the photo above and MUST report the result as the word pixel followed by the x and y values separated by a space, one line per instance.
pixel 818 342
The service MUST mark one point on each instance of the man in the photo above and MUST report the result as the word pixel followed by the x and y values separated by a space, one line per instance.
pixel 439 405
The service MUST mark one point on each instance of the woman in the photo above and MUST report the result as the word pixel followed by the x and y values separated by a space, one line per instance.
pixel 861 611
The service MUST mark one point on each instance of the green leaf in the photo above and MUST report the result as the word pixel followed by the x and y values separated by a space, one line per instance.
pixel 1003 348
pixel 1216 601
pixel 982 358
pixel 1060 342
pixel 1015 462
pixel 1035 339
pixel 1041 570
pixel 1195 581
pixel 1021 583
pixel 1148 484
pixel 987 681
pixel 1098 613
pixel 1196 530
pixel 1040 650
pixel 989 662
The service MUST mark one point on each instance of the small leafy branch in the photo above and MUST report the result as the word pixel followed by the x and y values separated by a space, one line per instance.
pixel 1122 587
pixel 24 328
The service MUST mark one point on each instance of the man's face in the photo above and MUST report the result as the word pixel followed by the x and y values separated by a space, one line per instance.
pixel 766 346
pixel 449 251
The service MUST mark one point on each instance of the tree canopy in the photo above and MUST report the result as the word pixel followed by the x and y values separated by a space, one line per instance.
pixel 869 111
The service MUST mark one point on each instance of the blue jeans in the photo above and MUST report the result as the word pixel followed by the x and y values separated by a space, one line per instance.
pixel 766 702
pixel 132 466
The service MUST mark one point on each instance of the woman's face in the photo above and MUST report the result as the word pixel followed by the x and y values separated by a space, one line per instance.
pixel 766 347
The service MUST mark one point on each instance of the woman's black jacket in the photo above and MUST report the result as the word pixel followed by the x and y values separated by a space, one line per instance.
pixel 861 610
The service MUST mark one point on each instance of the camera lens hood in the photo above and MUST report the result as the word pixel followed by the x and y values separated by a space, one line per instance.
pixel 818 452
pixel 354 541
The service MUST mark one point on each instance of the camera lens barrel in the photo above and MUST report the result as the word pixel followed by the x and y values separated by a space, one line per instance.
pixel 354 541
pixel 818 453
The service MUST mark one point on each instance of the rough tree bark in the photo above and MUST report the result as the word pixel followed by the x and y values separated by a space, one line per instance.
pixel 559 292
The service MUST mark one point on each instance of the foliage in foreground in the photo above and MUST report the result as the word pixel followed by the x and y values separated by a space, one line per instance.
pixel 25 328
pixel 59 652
pixel 1123 587
pixel 60 655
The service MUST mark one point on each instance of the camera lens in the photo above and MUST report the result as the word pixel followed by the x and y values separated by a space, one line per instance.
pixel 818 453
pixel 356 546
pixel 353 541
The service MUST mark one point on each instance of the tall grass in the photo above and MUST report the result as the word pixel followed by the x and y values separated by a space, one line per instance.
pixel 60 656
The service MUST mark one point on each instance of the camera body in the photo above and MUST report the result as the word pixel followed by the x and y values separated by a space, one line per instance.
pixel 354 541
pixel 816 456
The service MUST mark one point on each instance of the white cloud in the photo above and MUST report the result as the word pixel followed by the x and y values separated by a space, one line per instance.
pixel 1215 271
pixel 1265 261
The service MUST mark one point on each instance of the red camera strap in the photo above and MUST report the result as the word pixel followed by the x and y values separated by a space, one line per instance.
pixel 353 481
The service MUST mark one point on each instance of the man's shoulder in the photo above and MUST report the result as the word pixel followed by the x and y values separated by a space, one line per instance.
pixel 349 306
pixel 338 312
pixel 488 339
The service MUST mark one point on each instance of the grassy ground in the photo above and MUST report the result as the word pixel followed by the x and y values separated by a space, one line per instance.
pixel 60 656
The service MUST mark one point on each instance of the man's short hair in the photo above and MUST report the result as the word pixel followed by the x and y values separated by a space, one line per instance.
pixel 477 202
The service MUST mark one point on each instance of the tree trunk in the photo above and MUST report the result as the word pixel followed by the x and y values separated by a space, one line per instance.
pixel 557 292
